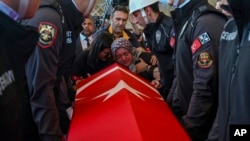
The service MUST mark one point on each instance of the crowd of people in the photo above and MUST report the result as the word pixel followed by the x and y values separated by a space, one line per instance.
pixel 196 58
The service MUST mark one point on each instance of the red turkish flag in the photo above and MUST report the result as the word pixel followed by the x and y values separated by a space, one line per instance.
pixel 117 105
pixel 196 45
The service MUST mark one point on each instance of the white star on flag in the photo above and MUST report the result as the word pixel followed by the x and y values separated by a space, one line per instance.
pixel 118 87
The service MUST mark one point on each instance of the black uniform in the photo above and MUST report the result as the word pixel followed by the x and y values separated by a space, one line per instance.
pixel 16 44
pixel 158 38
pixel 196 65
pixel 234 72
pixel 48 68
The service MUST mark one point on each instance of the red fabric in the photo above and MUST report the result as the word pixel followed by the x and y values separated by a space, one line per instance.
pixel 196 45
pixel 117 105
pixel 172 42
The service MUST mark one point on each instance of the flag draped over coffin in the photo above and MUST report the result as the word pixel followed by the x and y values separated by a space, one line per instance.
pixel 117 105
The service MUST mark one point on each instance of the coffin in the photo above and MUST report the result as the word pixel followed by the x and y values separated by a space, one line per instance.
pixel 117 105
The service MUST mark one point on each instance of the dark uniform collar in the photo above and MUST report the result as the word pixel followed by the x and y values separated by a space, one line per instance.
pixel 151 26
pixel 180 15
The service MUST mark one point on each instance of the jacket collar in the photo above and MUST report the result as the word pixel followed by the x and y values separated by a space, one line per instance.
pixel 124 34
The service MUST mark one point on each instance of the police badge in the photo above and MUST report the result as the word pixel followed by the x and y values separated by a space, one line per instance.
pixel 158 36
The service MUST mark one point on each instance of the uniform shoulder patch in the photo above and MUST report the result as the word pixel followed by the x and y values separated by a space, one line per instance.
pixel 204 38
pixel 196 45
pixel 199 41
pixel 48 33
pixel 172 42
pixel 204 60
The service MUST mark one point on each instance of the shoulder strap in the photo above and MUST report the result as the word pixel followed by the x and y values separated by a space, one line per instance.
pixel 204 9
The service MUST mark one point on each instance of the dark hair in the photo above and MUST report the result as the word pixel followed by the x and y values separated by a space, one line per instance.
pixel 120 8
pixel 89 17
pixel 155 7
pixel 101 41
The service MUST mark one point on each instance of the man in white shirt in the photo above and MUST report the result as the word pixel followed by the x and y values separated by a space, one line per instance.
pixel 85 37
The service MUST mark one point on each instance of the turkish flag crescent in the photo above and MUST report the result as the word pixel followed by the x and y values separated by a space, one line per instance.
pixel 117 105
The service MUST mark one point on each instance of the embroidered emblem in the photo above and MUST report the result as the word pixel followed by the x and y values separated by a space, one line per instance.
pixel 205 60
pixel 196 45
pixel 204 38
pixel 158 36
pixel 172 42
pixel 48 33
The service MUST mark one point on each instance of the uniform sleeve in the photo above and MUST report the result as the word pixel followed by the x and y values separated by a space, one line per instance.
pixel 41 71
pixel 203 104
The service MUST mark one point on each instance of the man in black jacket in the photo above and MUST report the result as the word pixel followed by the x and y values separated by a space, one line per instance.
pixel 234 74
pixel 16 44
pixel 48 68
pixel 196 64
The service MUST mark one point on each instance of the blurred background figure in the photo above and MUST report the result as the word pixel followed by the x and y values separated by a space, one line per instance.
pixel 16 45
pixel 86 36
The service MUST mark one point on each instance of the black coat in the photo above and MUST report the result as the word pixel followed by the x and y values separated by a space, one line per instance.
pixel 234 73
pixel 196 60
pixel 48 68
pixel 16 45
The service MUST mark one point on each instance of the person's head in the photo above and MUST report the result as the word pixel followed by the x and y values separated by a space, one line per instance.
pixel 84 6
pixel 25 8
pixel 144 11
pixel 122 51
pixel 100 48
pixel 88 26
pixel 119 18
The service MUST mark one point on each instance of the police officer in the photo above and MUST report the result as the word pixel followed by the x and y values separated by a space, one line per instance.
pixel 16 44
pixel 196 64
pixel 234 73
pixel 157 27
pixel 48 67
